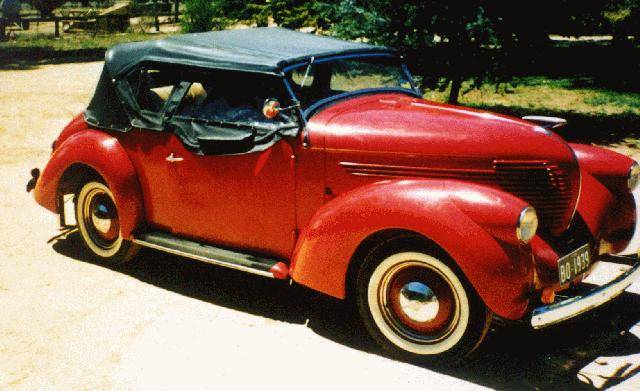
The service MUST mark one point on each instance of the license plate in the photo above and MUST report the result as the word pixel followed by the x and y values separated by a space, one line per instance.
pixel 573 264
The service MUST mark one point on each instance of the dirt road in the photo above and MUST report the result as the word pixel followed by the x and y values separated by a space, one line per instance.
pixel 66 322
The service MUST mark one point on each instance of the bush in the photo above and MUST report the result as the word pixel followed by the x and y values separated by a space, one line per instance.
pixel 198 16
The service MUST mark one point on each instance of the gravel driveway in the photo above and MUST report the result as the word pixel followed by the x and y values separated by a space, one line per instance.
pixel 66 322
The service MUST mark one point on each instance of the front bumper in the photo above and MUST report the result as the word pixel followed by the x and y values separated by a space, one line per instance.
pixel 558 312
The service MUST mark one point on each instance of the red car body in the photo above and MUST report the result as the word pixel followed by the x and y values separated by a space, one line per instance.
pixel 371 164
pixel 359 170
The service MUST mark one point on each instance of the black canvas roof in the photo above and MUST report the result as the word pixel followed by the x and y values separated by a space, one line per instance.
pixel 264 50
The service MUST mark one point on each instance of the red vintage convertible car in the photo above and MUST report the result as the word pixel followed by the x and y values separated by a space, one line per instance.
pixel 307 158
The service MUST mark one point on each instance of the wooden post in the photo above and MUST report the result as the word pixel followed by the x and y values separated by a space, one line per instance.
pixel 2 31
pixel 157 22
pixel 56 22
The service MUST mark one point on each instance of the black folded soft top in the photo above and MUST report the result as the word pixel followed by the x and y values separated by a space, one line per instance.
pixel 267 51
pixel 263 50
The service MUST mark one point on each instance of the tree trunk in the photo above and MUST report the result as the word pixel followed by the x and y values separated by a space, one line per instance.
pixel 456 85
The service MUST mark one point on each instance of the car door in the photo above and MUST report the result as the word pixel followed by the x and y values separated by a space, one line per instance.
pixel 147 144
pixel 243 201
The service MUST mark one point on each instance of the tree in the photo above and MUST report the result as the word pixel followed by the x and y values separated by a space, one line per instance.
pixel 447 42
pixel 622 18
pixel 248 12
pixel 297 13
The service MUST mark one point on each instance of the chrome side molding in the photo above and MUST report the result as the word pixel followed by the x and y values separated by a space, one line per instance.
pixel 558 312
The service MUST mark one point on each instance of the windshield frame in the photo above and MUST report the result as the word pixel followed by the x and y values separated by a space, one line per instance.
pixel 312 108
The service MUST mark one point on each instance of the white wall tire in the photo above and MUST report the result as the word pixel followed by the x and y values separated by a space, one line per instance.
pixel 417 306
pixel 99 226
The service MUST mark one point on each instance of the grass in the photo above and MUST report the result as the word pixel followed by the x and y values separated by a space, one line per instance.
pixel 28 50
pixel 71 42
pixel 594 114
pixel 544 95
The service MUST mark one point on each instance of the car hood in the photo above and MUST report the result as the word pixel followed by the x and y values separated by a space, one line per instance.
pixel 398 123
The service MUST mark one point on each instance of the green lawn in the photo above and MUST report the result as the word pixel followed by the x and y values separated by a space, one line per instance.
pixel 74 41
pixel 32 49
pixel 541 94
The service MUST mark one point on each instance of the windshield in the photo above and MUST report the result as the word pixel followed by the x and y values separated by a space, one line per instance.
pixel 326 79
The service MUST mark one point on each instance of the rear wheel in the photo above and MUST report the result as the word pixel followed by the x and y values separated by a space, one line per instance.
pixel 417 306
pixel 99 224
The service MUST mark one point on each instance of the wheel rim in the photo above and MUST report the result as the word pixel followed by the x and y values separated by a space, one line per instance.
pixel 418 303
pixel 100 219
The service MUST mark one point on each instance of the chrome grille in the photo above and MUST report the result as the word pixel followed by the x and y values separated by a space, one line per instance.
pixel 546 186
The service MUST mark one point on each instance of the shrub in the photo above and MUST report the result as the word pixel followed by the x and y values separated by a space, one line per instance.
pixel 198 16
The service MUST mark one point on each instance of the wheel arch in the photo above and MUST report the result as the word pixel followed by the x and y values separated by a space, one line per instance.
pixel 387 237
pixel 86 155
pixel 75 176
pixel 441 213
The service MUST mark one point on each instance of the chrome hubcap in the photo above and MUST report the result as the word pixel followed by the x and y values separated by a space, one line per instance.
pixel 419 302
pixel 101 217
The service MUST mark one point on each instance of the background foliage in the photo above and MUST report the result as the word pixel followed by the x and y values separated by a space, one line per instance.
pixel 449 43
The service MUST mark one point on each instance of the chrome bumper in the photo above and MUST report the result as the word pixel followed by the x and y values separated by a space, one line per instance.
pixel 569 308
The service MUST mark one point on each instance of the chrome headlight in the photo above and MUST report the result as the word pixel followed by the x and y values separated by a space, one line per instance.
pixel 634 176
pixel 527 224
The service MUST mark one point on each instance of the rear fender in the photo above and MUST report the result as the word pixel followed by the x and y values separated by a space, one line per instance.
pixel 104 154
pixel 466 220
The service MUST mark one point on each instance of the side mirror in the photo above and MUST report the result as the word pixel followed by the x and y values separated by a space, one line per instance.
pixel 271 108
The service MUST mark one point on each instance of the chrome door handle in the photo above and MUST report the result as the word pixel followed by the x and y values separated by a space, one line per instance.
pixel 173 159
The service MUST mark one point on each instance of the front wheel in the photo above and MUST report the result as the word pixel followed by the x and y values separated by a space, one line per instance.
pixel 418 308
pixel 99 224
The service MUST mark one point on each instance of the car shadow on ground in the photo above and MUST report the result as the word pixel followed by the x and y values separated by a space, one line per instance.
pixel 512 357
pixel 26 58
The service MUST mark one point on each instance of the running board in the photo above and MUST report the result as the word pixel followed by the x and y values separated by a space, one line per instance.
pixel 214 255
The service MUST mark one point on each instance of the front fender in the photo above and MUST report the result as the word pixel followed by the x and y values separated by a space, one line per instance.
pixel 606 204
pixel 456 216
pixel 608 167
pixel 104 154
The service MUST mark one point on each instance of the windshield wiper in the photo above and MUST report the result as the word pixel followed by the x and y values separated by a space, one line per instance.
pixel 306 73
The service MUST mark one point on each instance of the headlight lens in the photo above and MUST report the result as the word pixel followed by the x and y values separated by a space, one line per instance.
pixel 634 176
pixel 527 224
